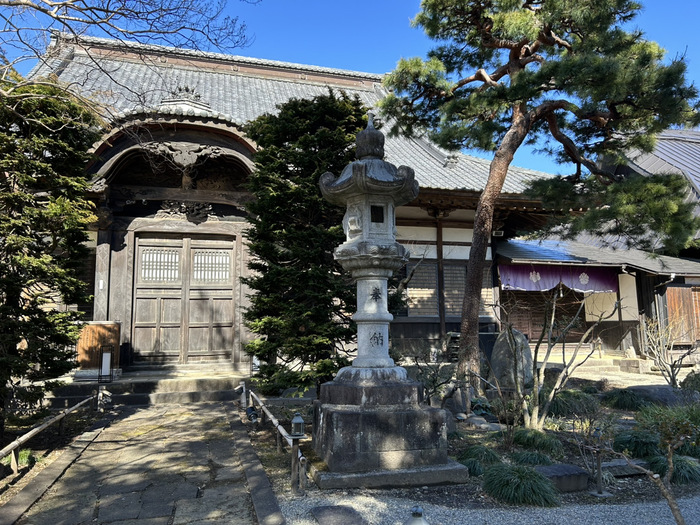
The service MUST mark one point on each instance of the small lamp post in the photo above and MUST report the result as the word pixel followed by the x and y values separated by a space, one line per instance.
pixel 597 434
pixel 296 434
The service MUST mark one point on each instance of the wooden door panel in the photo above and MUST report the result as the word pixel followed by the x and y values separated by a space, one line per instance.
pixel 222 310
pixel 221 339
pixel 171 310
pixel 183 299
pixel 145 310
pixel 170 339
pixel 199 341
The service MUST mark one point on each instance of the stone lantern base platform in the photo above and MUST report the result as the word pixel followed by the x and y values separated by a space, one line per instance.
pixel 373 433
pixel 447 474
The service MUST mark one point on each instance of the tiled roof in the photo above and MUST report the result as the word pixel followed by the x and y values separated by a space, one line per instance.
pixel 554 251
pixel 135 77
pixel 676 151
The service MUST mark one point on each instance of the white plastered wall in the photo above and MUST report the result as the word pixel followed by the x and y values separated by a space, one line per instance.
pixel 602 304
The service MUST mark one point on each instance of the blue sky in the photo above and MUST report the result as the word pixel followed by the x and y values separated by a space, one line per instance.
pixel 372 36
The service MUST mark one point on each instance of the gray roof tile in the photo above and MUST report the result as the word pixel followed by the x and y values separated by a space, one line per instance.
pixel 124 84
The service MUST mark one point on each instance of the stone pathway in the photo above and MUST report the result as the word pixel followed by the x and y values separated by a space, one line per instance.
pixel 168 464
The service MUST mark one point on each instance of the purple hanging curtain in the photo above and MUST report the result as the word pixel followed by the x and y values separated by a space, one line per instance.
pixel 541 277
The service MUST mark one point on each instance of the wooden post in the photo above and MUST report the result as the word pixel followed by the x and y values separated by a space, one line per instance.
pixel 14 461
pixel 599 476
pixel 302 476
pixel 295 466
pixel 243 396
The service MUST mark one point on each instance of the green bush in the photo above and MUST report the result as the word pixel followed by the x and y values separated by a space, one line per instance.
pixel 624 399
pixel 671 421
pixel 537 440
pixel 531 457
pixel 691 382
pixel 574 403
pixel 484 454
pixel 519 485
pixel 685 469
pixel 637 443
pixel 474 466
pixel 481 406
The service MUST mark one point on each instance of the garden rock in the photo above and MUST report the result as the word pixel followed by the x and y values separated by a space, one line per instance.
pixel 505 360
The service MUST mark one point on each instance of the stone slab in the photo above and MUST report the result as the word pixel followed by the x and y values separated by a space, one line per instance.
pixel 621 469
pixel 115 507
pixel 337 515
pixel 449 473
pixel 566 478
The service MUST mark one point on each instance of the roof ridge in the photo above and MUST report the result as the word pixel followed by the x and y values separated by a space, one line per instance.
pixel 57 37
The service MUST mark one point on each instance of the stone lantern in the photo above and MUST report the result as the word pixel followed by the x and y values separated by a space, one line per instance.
pixel 369 419
pixel 371 189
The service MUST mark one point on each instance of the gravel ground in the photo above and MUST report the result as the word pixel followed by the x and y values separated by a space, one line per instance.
pixel 382 509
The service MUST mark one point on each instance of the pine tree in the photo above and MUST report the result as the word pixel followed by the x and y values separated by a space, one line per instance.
pixel 302 302
pixel 567 76
pixel 44 141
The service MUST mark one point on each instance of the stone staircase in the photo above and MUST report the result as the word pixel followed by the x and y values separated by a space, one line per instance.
pixel 151 385
pixel 606 365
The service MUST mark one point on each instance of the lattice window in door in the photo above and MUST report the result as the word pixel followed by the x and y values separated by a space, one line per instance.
pixel 211 266
pixel 160 265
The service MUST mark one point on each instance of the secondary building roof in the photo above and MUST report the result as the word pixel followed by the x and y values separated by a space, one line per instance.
pixel 129 77
pixel 552 251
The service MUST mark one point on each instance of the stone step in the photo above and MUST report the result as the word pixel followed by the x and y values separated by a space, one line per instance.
pixel 140 388
pixel 598 369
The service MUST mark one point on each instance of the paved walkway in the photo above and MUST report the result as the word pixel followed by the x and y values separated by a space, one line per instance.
pixel 167 464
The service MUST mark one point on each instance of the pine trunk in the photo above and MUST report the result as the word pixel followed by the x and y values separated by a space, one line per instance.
pixel 468 366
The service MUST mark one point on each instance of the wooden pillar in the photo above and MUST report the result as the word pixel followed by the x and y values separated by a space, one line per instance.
pixel 102 277
pixel 440 277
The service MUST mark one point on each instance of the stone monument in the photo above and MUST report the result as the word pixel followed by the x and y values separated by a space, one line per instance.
pixel 369 418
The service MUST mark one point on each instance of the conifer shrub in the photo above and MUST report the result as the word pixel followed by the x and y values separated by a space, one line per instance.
pixel 637 443
pixel 685 468
pixel 519 485
pixel 530 457
pixel 537 440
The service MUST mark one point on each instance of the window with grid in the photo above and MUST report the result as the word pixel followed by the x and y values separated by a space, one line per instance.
pixel 160 265
pixel 211 266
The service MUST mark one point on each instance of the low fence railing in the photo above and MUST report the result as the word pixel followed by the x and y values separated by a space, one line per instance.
pixel 13 448
pixel 299 461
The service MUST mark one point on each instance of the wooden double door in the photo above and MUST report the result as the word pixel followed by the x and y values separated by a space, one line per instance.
pixel 183 300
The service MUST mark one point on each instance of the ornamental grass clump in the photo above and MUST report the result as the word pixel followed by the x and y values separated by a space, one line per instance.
pixel 537 440
pixel 519 485
pixel 486 455
pixel 574 403
pixel 474 466
pixel 685 469
pixel 624 399
pixel 637 443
